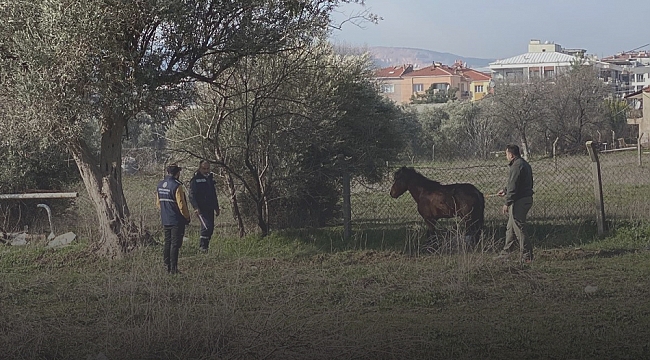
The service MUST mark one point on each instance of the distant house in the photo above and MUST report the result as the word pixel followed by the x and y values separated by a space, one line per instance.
pixel 546 60
pixel 641 97
pixel 393 83
pixel 401 83
pixel 480 83
pixel 636 69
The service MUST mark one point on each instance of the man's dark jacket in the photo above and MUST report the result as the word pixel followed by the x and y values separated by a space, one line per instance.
pixel 203 195
pixel 520 181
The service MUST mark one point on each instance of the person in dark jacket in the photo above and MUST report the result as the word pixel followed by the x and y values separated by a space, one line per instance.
pixel 203 196
pixel 518 200
pixel 174 214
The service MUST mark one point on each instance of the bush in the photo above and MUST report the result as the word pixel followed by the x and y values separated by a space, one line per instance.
pixel 33 167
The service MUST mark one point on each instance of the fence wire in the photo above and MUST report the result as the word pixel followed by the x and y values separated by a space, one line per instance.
pixel 626 185
pixel 564 189
pixel 564 195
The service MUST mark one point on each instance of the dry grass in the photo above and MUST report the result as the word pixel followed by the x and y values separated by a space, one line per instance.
pixel 285 298
pixel 308 294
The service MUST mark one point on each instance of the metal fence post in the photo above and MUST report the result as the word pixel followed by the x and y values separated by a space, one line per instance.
pixel 347 206
pixel 598 187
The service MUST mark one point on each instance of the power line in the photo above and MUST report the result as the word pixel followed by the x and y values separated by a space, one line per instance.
pixel 640 47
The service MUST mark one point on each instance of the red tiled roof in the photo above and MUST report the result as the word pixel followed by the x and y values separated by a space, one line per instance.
pixel 475 75
pixel 434 70
pixel 394 71
pixel 628 55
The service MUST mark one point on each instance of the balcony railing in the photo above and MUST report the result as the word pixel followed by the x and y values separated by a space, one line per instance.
pixel 635 113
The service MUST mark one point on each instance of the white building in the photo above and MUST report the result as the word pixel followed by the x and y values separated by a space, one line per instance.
pixel 636 69
pixel 546 60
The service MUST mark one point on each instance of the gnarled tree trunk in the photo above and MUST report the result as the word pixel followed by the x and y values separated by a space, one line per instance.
pixel 103 181
pixel 230 182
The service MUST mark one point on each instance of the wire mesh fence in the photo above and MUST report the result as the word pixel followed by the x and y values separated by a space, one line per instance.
pixel 564 195
pixel 626 184
pixel 564 189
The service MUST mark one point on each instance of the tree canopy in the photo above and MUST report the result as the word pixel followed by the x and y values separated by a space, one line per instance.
pixel 287 126
pixel 67 63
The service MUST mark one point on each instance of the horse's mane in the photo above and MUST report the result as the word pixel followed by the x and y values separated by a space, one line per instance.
pixel 409 174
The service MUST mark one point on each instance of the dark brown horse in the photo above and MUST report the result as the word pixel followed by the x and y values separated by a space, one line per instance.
pixel 436 201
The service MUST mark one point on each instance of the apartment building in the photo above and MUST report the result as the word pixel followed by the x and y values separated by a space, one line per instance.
pixel 547 59
pixel 393 83
pixel 637 100
pixel 636 69
pixel 480 83
pixel 401 83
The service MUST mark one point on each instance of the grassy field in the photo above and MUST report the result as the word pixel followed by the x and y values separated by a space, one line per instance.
pixel 308 294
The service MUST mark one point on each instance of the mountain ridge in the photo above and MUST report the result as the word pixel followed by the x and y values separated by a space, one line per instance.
pixel 385 56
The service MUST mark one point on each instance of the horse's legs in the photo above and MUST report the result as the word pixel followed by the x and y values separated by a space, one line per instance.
pixel 474 228
pixel 431 242
pixel 473 225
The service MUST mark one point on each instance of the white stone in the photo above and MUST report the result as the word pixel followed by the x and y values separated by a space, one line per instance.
pixel 62 240
pixel 19 240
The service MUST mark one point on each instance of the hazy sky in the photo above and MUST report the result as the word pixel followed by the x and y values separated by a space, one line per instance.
pixel 500 28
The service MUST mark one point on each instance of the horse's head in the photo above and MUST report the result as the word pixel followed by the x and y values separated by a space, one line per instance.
pixel 400 182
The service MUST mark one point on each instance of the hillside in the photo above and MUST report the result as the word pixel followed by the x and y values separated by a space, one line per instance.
pixel 387 56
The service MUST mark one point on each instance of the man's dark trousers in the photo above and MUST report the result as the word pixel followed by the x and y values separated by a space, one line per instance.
pixel 173 241
pixel 207 228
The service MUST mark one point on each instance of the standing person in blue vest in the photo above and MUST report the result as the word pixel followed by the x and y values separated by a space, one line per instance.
pixel 203 197
pixel 174 213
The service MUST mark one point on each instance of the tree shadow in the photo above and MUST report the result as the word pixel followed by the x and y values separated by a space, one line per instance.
pixel 411 236
pixel 578 253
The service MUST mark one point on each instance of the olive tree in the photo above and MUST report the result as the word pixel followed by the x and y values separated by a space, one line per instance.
pixel 576 107
pixel 521 108
pixel 286 126
pixel 66 63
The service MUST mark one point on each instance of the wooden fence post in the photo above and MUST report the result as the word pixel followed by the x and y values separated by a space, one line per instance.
pixel 347 206
pixel 598 187
pixel 638 148
pixel 555 151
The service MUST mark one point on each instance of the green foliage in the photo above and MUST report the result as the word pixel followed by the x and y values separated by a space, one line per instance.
pixel 35 166
pixel 369 131
pixel 432 95
pixel 66 66
pixel 616 112
pixel 287 126
pixel 458 130
pixel 412 134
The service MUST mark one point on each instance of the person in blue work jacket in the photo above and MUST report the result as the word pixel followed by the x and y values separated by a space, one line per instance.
pixel 203 197
pixel 174 213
